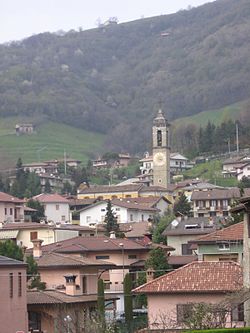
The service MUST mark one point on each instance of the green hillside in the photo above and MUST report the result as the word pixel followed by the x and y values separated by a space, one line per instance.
pixel 110 79
pixel 214 116
pixel 49 142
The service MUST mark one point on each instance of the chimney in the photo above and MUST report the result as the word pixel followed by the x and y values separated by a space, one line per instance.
pixel 37 248
pixel 112 235
pixel 70 284
pixel 150 274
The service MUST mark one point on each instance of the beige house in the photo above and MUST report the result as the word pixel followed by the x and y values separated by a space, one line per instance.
pixel 126 256
pixel 13 300
pixel 71 294
pixel 11 208
pixel 172 296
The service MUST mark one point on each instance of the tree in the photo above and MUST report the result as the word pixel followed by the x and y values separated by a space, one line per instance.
pixel 100 298
pixel 182 206
pixel 47 187
pixel 128 306
pixel 33 275
pixel 159 225
pixel 67 188
pixel 157 261
pixel 37 215
pixel 110 221
pixel 11 250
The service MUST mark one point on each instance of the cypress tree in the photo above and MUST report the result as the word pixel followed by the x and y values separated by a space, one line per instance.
pixel 100 298
pixel 128 305
pixel 110 220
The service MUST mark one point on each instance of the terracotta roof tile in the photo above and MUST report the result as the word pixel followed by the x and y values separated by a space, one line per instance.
pixel 50 198
pixel 111 188
pixel 198 277
pixel 218 194
pixel 4 197
pixel 233 232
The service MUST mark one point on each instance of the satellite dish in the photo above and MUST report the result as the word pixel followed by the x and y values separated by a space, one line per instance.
pixel 174 224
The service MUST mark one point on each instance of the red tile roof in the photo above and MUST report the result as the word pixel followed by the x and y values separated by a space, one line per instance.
pixel 233 232
pixel 198 277
pixel 51 198
pixel 4 197
pixel 95 244
pixel 218 194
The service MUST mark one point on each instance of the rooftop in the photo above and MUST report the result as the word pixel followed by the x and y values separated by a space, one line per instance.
pixel 4 197
pixel 50 198
pixel 198 277
pixel 5 261
pixel 229 193
pixel 111 188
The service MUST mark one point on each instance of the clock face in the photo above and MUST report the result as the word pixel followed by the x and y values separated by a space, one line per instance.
pixel 159 159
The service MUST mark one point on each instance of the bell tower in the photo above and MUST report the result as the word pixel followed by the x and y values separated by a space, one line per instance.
pixel 161 151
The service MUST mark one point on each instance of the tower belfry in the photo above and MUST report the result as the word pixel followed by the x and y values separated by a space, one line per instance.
pixel 161 150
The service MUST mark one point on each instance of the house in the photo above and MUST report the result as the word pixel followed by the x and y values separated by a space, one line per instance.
pixel 180 231
pixel 24 233
pixel 24 129
pixel 221 245
pixel 55 181
pixel 124 210
pixel 56 207
pixel 125 255
pixel 122 160
pixel 11 208
pixel 244 207
pixel 232 167
pixel 215 202
pixel 13 300
pixel 172 296
pixel 66 294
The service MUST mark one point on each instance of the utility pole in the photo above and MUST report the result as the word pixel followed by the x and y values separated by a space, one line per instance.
pixel 237 136
pixel 65 162
pixel 229 146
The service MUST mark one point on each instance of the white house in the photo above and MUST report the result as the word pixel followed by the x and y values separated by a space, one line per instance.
pixel 11 208
pixel 56 207
pixel 125 210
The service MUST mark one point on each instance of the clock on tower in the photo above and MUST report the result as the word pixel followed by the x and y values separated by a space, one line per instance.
pixel 161 151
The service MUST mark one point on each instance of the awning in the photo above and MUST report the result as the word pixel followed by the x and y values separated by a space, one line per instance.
pixel 8 234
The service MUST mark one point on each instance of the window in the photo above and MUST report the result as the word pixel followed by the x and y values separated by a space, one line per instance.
pixel 84 284
pixel 5 211
pixel 142 217
pixel 200 214
pixel 103 209
pixel 63 218
pixel 19 284
pixel 184 311
pixel 57 207
pixel 132 256
pixel 238 312
pixel 185 249
pixel 127 196
pixel 224 246
pixel 159 138
pixel 11 284
pixel 213 203
pixel 211 214
pixel 102 257
pixel 131 217
pixel 33 235
pixel 114 197
pixel 117 209
pixel 225 213
pixel 11 211
pixel 88 219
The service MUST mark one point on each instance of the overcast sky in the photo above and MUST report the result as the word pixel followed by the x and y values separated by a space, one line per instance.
pixel 22 18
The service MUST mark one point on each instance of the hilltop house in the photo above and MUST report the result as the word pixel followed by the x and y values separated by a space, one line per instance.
pixel 13 300
pixel 237 167
pixel 172 296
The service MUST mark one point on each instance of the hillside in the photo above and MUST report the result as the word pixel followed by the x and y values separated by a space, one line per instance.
pixel 111 79
pixel 49 142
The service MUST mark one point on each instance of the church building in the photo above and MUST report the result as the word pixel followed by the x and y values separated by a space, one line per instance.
pixel 161 151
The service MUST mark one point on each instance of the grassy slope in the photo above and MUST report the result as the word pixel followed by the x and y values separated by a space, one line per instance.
pixel 55 137
pixel 214 116
pixel 211 171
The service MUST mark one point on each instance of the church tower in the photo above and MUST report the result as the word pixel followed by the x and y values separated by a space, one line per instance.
pixel 161 151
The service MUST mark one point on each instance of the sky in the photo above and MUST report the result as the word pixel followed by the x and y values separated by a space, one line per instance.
pixel 22 18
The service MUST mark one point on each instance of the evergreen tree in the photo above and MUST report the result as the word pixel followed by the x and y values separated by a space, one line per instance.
pixel 37 215
pixel 159 225
pixel 67 188
pixel 33 275
pixel 47 187
pixel 11 250
pixel 157 261
pixel 182 205
pixel 110 220
pixel 100 298
pixel 128 305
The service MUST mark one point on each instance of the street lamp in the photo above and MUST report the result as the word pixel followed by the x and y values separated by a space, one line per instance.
pixel 122 247
pixel 68 320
